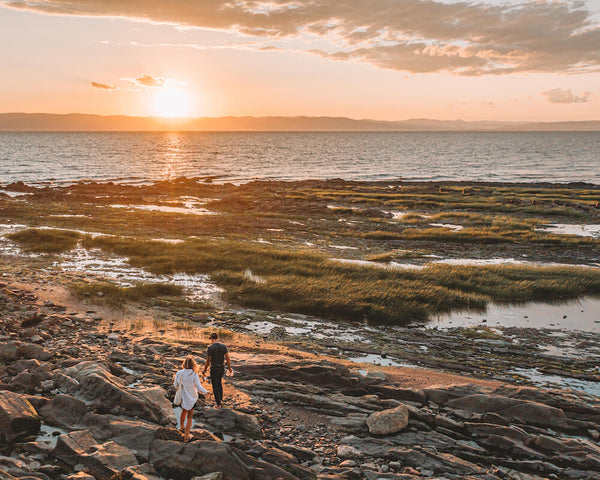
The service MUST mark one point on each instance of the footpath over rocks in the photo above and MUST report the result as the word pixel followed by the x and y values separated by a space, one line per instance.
pixel 79 403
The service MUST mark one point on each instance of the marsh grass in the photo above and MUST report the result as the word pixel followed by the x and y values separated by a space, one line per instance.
pixel 108 293
pixel 518 233
pixel 46 241
pixel 308 282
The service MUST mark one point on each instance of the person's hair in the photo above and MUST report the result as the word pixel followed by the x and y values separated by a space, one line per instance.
pixel 214 335
pixel 189 363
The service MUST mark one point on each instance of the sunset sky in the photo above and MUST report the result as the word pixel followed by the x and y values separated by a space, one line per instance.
pixel 380 59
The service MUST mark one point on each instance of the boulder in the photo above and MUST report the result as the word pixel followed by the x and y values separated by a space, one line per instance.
pixel 437 462
pixel 388 421
pixel 31 350
pixel 183 461
pixel 18 418
pixel 63 411
pixel 94 383
pixel 229 421
pixel 210 476
pixel 136 435
pixel 139 472
pixel 101 460
pixel 9 351
pixel 6 476
pixel 288 462
pixel 511 409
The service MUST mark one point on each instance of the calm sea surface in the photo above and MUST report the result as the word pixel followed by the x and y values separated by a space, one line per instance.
pixel 239 157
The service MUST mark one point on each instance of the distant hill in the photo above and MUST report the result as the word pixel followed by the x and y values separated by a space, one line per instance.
pixel 87 122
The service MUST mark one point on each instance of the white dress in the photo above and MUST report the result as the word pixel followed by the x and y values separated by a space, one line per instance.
pixel 191 387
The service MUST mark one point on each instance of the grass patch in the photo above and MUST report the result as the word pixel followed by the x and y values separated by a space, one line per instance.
pixel 108 293
pixel 46 241
pixel 308 282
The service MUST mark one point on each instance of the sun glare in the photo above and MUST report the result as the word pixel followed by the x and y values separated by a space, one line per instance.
pixel 172 102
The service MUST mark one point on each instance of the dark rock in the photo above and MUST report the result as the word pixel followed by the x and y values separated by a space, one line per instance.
pixel 18 418
pixel 93 382
pixel 63 411
pixel 101 460
pixel 229 421
pixel 182 461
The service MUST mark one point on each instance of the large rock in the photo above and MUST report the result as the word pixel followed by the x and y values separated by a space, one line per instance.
pixel 182 461
pixel 388 421
pixel 229 421
pixel 514 410
pixel 63 411
pixel 437 462
pixel 18 418
pixel 139 472
pixel 136 435
pixel 95 384
pixel 101 460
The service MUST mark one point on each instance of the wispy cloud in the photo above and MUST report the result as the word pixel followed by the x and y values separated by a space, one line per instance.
pixel 463 38
pixel 145 80
pixel 558 95
pixel 103 86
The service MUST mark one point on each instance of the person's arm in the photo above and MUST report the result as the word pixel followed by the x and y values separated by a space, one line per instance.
pixel 199 386
pixel 228 360
pixel 175 381
pixel 206 366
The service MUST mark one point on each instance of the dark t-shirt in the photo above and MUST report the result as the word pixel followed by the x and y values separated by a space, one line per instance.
pixel 216 352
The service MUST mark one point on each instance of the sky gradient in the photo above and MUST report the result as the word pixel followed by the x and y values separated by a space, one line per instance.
pixel 380 59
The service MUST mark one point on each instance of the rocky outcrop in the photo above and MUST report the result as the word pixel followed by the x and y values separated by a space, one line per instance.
pixel 18 418
pixel 95 384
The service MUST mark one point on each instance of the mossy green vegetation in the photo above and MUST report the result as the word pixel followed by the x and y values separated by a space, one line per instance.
pixel 273 244
pixel 309 282
pixel 46 241
pixel 117 296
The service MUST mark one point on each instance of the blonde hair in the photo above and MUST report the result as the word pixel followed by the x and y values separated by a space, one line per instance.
pixel 189 363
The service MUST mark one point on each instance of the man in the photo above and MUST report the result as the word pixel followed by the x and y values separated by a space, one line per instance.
pixel 216 356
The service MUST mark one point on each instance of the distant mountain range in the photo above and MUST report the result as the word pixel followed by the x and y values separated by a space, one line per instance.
pixel 87 122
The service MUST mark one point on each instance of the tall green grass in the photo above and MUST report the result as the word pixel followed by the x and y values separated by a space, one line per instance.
pixel 103 292
pixel 308 282
pixel 46 241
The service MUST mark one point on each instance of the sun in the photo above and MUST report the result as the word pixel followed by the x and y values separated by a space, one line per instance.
pixel 172 102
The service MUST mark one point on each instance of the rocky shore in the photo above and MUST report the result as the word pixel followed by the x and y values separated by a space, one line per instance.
pixel 81 398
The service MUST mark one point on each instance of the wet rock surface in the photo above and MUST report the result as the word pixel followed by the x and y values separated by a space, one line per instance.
pixel 86 403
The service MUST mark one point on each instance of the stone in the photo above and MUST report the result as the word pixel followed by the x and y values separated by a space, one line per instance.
pixel 186 460
pixel 524 411
pixel 93 382
pixel 101 460
pixel 210 476
pixel 388 421
pixel 80 476
pixel 18 418
pixel 348 451
pixel 229 421
pixel 63 411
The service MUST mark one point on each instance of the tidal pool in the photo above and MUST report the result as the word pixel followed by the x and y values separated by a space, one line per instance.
pixel 582 314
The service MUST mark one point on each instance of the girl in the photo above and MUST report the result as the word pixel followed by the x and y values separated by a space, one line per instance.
pixel 191 385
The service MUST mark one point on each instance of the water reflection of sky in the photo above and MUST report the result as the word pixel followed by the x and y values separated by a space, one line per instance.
pixel 582 314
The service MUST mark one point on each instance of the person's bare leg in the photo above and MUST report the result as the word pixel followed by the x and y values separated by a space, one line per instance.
pixel 182 420
pixel 188 425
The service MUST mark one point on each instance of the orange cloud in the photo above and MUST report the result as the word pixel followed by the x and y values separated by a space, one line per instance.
pixel 558 95
pixel 463 38
pixel 103 86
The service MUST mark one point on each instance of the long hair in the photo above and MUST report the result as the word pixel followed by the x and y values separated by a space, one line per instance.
pixel 189 363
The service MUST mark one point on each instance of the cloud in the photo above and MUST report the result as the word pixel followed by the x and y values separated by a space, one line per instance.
pixel 558 95
pixel 145 80
pixel 103 86
pixel 419 36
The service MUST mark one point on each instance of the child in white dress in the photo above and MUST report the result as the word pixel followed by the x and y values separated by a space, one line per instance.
pixel 190 382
